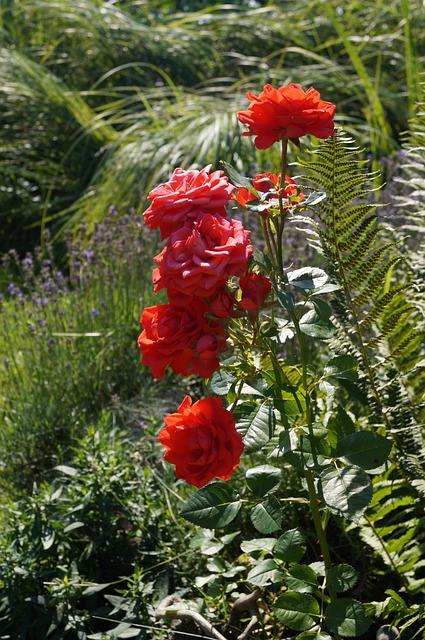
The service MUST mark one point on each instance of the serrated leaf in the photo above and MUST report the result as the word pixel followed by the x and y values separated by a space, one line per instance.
pixel 347 617
pixel 222 381
pixel 343 366
pixel 339 425
pixel 257 427
pixel 301 578
pixel 237 178
pixel 316 327
pixel 298 450
pixel 258 544
pixel 307 278
pixel 263 480
pixel 289 546
pixel 366 449
pixel 212 506
pixel 322 308
pixel 341 577
pixel 267 516
pixel 346 491
pixel 314 198
pixel 265 572
pixel 298 611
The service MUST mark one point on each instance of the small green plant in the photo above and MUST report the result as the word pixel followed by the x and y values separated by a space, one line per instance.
pixel 96 546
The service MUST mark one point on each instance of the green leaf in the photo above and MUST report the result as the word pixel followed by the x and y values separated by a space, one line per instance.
pixel 347 618
pixel 313 198
pixel 69 471
pixel 263 480
pixel 301 578
pixel 307 278
pixel 339 425
pixel 212 506
pixel 341 577
pixel 265 572
pixel 316 327
pixel 258 544
pixel 366 449
pixel 290 546
pixel 237 178
pixel 297 449
pixel 222 381
pixel 257 427
pixel 346 491
pixel 322 308
pixel 342 367
pixel 298 611
pixel 267 516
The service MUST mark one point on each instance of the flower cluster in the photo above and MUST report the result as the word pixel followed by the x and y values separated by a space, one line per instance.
pixel 268 191
pixel 204 249
pixel 205 270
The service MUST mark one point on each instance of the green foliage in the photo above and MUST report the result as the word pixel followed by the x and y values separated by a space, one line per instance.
pixel 102 102
pixel 68 345
pixel 93 546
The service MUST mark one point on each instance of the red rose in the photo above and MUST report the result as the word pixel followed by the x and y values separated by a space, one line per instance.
pixel 184 196
pixel 263 183
pixel 291 195
pixel 173 336
pixel 269 182
pixel 202 441
pixel 288 112
pixel 212 341
pixel 255 288
pixel 198 260
pixel 222 303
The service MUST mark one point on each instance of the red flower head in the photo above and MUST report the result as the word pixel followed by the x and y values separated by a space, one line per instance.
pixel 269 183
pixel 222 303
pixel 255 288
pixel 198 260
pixel 181 337
pixel 288 112
pixel 263 183
pixel 185 196
pixel 202 441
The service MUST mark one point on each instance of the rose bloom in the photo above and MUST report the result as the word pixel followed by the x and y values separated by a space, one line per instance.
pixel 202 441
pixel 266 182
pixel 198 260
pixel 184 196
pixel 222 303
pixel 181 337
pixel 255 288
pixel 288 112
pixel 263 183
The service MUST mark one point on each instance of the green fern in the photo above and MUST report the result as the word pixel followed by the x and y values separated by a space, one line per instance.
pixel 379 319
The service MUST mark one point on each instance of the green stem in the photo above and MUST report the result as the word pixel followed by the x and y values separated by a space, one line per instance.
pixel 281 223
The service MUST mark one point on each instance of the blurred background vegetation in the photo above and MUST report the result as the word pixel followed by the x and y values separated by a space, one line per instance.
pixel 99 102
